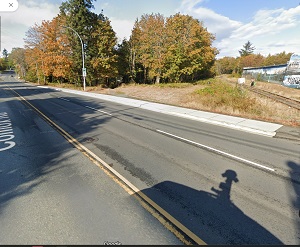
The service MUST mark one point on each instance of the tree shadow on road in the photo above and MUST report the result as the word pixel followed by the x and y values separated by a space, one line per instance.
pixel 39 151
pixel 211 216
pixel 294 176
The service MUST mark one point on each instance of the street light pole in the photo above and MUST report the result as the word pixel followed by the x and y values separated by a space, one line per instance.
pixel 82 48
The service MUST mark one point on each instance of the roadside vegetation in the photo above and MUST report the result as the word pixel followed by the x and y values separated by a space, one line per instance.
pixel 220 95
pixel 166 59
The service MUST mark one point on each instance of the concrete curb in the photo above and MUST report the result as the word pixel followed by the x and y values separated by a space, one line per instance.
pixel 243 124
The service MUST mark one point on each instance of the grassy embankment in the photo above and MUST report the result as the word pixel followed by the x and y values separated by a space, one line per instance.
pixel 220 95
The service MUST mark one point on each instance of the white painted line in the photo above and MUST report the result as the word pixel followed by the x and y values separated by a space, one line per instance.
pixel 224 124
pixel 98 110
pixel 64 99
pixel 217 151
pixel 91 108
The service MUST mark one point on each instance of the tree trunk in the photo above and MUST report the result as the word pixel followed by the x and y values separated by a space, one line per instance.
pixel 157 80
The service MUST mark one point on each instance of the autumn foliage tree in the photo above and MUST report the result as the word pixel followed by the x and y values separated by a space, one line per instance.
pixel 48 50
pixel 231 65
pixel 189 51
pixel 148 44
pixel 176 48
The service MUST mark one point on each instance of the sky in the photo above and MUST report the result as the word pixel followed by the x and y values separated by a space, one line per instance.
pixel 272 26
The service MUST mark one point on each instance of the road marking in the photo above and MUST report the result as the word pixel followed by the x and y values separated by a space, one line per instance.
pixel 98 110
pixel 64 99
pixel 159 213
pixel 218 151
pixel 6 132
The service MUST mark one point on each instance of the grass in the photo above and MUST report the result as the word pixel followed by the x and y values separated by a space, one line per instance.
pixel 219 94
pixel 222 95
pixel 173 85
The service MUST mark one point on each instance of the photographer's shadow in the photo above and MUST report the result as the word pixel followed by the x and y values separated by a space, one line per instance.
pixel 211 216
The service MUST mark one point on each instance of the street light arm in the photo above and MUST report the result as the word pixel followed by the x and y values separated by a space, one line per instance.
pixel 82 49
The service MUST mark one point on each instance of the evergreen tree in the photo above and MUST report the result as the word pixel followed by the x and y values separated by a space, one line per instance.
pixel 98 37
pixel 79 16
pixel 5 58
pixel 248 49
pixel 124 64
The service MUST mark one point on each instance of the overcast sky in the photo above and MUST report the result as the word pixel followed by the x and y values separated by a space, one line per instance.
pixel 272 26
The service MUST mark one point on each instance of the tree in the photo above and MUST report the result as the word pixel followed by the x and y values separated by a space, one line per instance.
pixel 17 56
pixel 34 53
pixel 279 58
pixel 124 61
pixel 57 52
pixel 5 53
pixel 48 51
pixel 79 16
pixel 176 48
pixel 104 61
pixel 98 37
pixel 148 35
pixel 252 60
pixel 190 54
pixel 226 65
pixel 5 59
pixel 248 49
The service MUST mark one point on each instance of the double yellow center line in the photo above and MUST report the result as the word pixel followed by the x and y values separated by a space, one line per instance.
pixel 173 225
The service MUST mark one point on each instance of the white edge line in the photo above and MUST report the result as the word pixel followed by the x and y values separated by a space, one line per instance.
pixel 98 110
pixel 105 112
pixel 91 108
pixel 228 125
pixel 218 151
pixel 64 99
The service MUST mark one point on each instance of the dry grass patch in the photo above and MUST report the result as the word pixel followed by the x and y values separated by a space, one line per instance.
pixel 218 95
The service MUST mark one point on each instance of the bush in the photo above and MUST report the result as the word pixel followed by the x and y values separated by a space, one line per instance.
pixel 222 94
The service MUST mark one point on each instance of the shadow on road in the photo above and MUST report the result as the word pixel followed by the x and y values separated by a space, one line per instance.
pixel 39 151
pixel 295 201
pixel 211 216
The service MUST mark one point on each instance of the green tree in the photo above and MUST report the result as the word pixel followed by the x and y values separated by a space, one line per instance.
pixel 5 59
pixel 105 57
pixel 226 65
pixel 79 16
pixel 98 37
pixel 190 54
pixel 124 63
pixel 5 53
pixel 17 56
pixel 248 49
pixel 176 48
pixel 279 58
pixel 149 37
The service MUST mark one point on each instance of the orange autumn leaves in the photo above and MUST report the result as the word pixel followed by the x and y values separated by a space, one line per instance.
pixel 48 50
pixel 160 49
pixel 175 48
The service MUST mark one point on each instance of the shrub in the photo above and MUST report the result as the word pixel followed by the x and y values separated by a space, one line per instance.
pixel 221 94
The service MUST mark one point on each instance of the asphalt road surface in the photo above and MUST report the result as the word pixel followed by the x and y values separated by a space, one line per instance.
pixel 208 183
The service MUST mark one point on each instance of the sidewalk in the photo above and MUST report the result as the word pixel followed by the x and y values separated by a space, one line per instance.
pixel 243 124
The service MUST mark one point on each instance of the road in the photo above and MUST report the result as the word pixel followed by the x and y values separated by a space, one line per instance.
pixel 210 183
